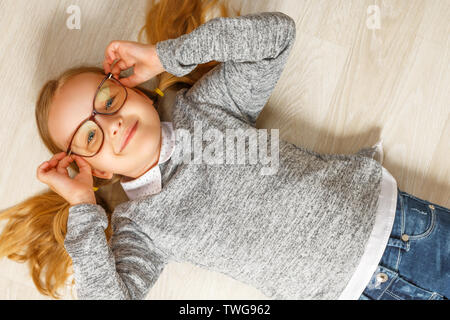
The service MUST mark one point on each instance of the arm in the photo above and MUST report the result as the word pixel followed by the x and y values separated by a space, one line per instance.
pixel 126 269
pixel 254 49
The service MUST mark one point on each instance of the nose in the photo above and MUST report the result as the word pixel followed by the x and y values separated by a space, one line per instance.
pixel 111 125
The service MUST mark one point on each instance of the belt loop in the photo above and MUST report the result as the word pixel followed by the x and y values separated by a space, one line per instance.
pixel 398 243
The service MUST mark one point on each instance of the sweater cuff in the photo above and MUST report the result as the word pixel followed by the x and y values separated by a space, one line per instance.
pixel 83 217
pixel 166 51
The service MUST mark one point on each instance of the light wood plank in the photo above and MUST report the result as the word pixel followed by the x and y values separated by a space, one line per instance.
pixel 344 87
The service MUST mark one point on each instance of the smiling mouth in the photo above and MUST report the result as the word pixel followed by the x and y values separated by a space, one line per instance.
pixel 129 136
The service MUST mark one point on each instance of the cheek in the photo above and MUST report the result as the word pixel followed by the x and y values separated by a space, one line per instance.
pixel 149 134
pixel 104 161
pixel 96 162
pixel 150 119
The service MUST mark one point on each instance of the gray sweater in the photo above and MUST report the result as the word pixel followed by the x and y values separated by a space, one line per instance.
pixel 296 233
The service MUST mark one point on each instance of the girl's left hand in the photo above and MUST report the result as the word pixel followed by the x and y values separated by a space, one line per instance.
pixel 129 54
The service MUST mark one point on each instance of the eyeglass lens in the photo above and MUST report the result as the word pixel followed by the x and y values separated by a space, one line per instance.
pixel 89 137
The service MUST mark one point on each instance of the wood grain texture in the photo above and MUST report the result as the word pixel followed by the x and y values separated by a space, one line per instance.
pixel 344 87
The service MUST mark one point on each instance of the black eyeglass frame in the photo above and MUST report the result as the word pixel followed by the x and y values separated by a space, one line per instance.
pixel 94 113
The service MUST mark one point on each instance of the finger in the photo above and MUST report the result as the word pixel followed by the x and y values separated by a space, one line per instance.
pixel 63 164
pixel 115 70
pixel 119 67
pixel 106 66
pixel 58 155
pixel 131 81
pixel 83 165
pixel 42 172
pixel 43 165
pixel 111 53
pixel 41 169
pixel 56 158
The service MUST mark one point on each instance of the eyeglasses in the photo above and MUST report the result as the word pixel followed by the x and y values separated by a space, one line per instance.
pixel 88 138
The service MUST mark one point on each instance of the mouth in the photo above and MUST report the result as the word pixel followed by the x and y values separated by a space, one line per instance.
pixel 128 135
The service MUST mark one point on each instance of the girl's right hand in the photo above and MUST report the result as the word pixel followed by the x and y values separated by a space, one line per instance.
pixel 75 190
pixel 129 54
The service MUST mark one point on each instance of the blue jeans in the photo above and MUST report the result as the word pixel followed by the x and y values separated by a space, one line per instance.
pixel 416 261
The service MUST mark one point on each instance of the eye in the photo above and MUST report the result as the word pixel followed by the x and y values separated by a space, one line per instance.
pixel 90 136
pixel 109 103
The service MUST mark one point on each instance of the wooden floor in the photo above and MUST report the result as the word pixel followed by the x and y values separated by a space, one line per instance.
pixel 360 71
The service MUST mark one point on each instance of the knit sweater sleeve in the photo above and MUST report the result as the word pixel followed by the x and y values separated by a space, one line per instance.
pixel 253 49
pixel 125 268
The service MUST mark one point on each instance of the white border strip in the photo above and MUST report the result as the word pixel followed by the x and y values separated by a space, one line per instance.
pixel 378 239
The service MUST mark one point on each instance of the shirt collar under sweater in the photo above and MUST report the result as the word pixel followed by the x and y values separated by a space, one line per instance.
pixel 150 182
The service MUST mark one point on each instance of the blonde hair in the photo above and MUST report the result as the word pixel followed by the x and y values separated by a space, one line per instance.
pixel 36 227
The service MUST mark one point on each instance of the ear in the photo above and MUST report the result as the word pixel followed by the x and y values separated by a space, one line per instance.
pixel 102 174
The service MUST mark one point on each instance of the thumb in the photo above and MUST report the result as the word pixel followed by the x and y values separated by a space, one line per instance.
pixel 131 81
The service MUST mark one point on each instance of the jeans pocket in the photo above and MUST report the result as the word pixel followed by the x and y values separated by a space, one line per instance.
pixel 387 284
pixel 419 217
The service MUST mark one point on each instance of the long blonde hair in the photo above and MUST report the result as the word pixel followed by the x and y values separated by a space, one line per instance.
pixel 36 227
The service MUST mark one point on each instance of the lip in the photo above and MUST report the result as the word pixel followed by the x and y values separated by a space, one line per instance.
pixel 128 135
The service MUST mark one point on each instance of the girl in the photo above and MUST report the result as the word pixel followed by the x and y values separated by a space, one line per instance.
pixel 319 227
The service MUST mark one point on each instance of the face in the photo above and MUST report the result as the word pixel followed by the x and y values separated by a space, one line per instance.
pixel 72 104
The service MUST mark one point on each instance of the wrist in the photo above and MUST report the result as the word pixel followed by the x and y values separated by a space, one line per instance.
pixel 156 62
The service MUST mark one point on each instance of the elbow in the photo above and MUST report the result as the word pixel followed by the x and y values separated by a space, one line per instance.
pixel 291 28
pixel 289 22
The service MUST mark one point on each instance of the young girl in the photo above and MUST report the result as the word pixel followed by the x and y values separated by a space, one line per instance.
pixel 319 227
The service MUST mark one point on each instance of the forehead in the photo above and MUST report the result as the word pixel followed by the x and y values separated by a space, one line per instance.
pixel 71 105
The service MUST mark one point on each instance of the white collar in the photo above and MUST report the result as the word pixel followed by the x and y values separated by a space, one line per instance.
pixel 150 182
